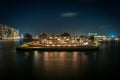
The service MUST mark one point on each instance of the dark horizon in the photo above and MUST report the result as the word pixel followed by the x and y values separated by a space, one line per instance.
pixel 54 17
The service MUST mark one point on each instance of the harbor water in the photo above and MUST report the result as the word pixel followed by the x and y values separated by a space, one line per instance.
pixel 59 65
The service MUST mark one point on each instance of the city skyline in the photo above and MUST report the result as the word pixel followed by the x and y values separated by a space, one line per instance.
pixel 54 17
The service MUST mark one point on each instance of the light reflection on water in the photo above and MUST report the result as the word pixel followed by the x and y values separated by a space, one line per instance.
pixel 57 65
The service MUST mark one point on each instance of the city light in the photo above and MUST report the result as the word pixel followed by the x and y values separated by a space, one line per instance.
pixel 7 32
pixel 85 43
pixel 112 35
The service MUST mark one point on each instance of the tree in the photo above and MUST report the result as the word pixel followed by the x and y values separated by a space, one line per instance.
pixel 27 37
pixel 42 36
pixel 9 32
pixel 66 35
pixel 92 38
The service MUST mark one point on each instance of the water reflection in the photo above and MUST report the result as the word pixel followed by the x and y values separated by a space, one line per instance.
pixel 51 64
pixel 56 63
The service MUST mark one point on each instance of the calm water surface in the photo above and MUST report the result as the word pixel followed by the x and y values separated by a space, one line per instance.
pixel 76 65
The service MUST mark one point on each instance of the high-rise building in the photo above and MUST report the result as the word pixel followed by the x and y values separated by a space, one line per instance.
pixel 8 32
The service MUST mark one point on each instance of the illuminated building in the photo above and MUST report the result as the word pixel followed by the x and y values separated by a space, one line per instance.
pixel 92 34
pixel 63 39
pixel 8 32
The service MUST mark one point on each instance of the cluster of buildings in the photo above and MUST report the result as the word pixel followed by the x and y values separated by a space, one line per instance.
pixel 7 32
pixel 64 39
pixel 104 37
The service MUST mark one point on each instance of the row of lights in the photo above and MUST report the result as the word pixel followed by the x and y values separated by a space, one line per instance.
pixel 61 45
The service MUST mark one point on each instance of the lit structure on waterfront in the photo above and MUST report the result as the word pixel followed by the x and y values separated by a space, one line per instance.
pixel 8 32
pixel 64 39
pixel 92 34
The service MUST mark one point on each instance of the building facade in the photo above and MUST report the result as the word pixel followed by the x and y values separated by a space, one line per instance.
pixel 8 32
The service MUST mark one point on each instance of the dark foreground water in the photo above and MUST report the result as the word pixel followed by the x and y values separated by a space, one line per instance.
pixel 76 65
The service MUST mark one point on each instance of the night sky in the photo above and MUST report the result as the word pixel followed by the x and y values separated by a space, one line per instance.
pixel 56 16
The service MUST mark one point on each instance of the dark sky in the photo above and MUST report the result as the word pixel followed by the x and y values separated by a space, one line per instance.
pixel 57 16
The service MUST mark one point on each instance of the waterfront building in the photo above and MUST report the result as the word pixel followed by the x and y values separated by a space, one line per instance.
pixel 64 39
pixel 92 34
pixel 8 32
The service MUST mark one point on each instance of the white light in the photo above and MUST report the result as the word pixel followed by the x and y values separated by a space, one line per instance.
pixel 85 43
pixel 50 42
pixel 53 45
pixel 99 40
pixel 69 45
pixel 74 45
pixel 59 39
pixel 50 37
pixel 36 52
pixel 112 36
pixel 58 45
pixel 67 39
